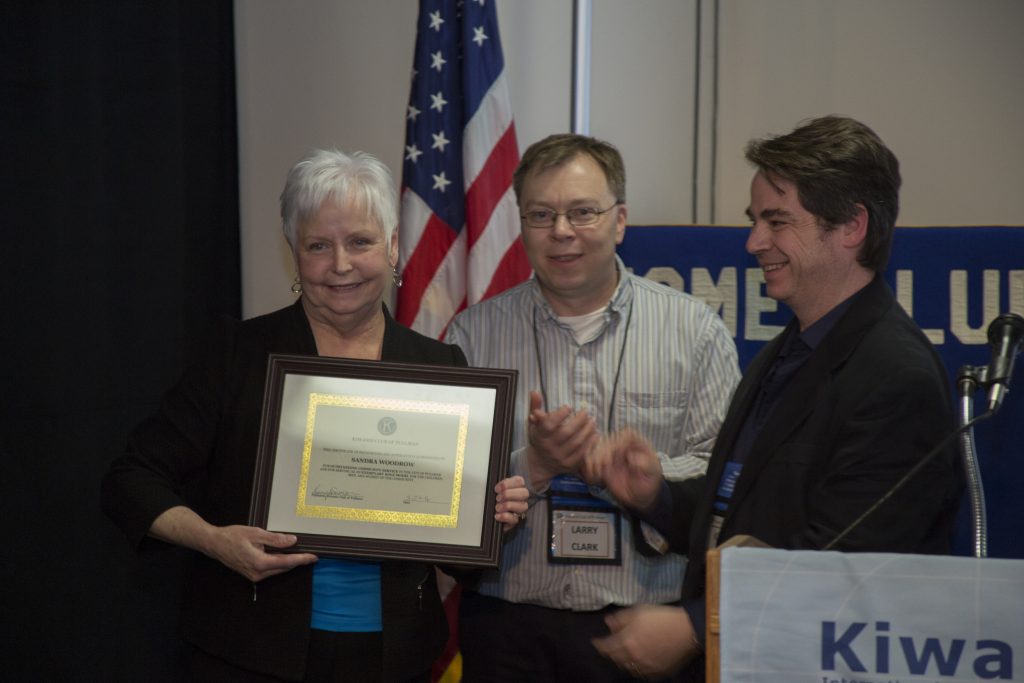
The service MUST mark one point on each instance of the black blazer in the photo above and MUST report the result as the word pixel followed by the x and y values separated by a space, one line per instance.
pixel 869 403
pixel 208 428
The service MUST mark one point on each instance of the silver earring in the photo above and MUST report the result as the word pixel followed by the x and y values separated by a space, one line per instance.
pixel 297 286
pixel 396 277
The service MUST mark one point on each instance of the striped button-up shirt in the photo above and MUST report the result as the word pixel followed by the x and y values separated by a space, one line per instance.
pixel 678 371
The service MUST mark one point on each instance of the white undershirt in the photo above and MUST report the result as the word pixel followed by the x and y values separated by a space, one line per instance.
pixel 584 327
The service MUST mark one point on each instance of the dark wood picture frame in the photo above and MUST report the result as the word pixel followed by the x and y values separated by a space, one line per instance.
pixel 484 553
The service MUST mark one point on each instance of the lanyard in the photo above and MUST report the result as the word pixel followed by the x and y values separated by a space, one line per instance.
pixel 618 368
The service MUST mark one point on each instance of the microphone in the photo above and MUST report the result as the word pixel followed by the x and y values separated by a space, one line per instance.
pixel 1005 335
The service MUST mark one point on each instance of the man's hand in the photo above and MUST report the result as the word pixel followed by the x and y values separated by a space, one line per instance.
pixel 559 441
pixel 626 464
pixel 649 641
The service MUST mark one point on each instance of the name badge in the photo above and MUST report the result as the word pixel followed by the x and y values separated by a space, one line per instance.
pixel 583 529
pixel 723 495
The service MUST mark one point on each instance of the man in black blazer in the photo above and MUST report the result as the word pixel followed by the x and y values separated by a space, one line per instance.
pixel 829 415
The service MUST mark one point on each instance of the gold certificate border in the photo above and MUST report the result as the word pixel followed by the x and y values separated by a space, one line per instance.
pixel 450 520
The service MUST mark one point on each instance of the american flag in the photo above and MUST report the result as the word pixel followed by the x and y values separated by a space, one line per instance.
pixel 459 234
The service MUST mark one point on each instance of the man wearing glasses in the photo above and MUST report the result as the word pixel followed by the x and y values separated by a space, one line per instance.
pixel 597 348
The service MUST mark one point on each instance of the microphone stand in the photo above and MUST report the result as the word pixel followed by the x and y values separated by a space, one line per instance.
pixel 968 381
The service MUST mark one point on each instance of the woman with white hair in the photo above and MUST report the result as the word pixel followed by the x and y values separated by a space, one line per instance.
pixel 253 615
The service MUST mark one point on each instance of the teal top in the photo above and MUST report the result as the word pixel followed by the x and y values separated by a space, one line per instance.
pixel 346 596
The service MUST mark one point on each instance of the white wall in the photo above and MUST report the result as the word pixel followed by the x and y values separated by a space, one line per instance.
pixel 939 80
pixel 311 73
pixel 942 81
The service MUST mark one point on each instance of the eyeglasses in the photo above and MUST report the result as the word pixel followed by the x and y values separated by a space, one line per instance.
pixel 578 217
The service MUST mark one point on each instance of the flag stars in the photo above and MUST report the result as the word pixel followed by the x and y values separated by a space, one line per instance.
pixel 439 141
pixel 413 113
pixel 436 20
pixel 479 36
pixel 438 101
pixel 437 61
pixel 412 152
pixel 440 182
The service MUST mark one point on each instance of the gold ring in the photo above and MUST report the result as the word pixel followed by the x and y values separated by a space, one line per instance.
pixel 521 516
pixel 635 670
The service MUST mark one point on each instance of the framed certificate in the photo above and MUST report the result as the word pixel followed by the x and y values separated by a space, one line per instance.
pixel 370 459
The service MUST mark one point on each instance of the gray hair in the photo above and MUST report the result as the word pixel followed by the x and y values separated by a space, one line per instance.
pixel 359 178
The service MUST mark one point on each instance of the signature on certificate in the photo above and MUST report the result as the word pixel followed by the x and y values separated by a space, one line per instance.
pixel 339 494
pixel 415 498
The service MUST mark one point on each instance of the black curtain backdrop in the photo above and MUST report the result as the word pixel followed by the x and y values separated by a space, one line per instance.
pixel 120 226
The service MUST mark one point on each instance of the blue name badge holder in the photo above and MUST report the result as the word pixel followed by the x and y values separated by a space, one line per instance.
pixel 583 529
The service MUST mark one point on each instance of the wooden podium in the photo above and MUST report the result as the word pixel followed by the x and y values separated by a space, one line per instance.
pixel 712 636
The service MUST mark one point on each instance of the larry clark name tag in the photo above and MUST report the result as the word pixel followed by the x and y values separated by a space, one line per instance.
pixel 584 529
pixel 584 535
pixel 383 460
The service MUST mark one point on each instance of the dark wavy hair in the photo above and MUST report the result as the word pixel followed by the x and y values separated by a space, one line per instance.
pixel 836 163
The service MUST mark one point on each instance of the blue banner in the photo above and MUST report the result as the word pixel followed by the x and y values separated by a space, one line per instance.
pixel 952 280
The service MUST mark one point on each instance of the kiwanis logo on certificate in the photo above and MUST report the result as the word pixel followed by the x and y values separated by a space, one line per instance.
pixel 387 426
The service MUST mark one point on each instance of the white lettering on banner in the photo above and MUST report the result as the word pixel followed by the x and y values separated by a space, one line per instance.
pixel 756 304
pixel 720 295
pixel 905 295
pixel 1016 287
pixel 666 275
pixel 723 296
pixel 958 324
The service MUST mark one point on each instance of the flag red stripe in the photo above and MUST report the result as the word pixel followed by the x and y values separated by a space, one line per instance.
pixel 491 185
pixel 460 309
pixel 513 269
pixel 417 273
